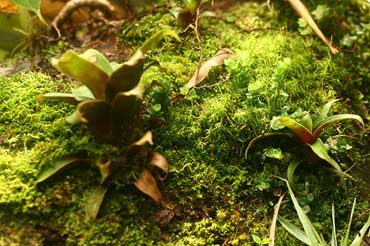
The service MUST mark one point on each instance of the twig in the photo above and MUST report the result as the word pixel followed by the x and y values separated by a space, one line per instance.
pixel 196 25
pixel 72 5
pixel 274 219
pixel 211 86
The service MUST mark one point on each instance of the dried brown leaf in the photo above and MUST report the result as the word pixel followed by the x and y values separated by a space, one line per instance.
pixel 159 161
pixel 105 169
pixel 147 184
pixel 203 71
pixel 302 11
pixel 274 219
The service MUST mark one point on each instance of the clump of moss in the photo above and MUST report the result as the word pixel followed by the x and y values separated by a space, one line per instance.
pixel 219 197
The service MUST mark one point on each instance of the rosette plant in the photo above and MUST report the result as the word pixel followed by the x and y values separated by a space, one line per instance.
pixel 108 103
pixel 308 131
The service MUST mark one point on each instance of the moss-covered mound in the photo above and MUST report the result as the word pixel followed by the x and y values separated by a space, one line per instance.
pixel 218 197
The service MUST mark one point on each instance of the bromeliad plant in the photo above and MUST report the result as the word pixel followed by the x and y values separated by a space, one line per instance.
pixel 308 131
pixel 108 103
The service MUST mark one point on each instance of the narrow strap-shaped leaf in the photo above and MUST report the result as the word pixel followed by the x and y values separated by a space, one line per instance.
pixel 324 112
pixel 321 151
pixel 147 184
pixel 154 40
pixel 320 125
pixel 309 229
pixel 301 131
pixel 348 230
pixel 83 70
pixel 291 169
pixel 294 230
pixel 306 121
pixel 266 135
pixel 94 199
pixel 334 241
pixel 361 234
pixel 58 96
pixel 61 165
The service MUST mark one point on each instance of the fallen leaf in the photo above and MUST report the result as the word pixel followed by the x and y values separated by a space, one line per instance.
pixel 203 71
pixel 159 161
pixel 147 184
pixel 302 11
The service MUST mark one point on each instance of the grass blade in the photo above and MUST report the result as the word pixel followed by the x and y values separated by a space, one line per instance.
pixel 294 230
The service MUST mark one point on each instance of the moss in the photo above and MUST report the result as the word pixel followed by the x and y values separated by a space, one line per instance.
pixel 219 197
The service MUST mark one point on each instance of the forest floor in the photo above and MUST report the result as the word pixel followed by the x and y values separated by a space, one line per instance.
pixel 219 196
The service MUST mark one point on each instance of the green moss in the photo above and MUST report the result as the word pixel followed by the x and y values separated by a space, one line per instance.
pixel 219 196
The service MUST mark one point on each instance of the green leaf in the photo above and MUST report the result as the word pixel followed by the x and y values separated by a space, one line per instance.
pixel 309 230
pixel 324 111
pixel 33 5
pixel 348 230
pixel 94 199
pixel 266 135
pixel 96 115
pixel 321 151
pixel 301 131
pixel 334 241
pixel 126 77
pixel 275 153
pixel 61 165
pixel 320 125
pixel 291 169
pixel 191 5
pixel 86 71
pixel 98 59
pixel 360 235
pixel 154 40
pixel 256 239
pixel 294 230
pixel 306 121
pixel 125 109
pixel 82 93
pixel 56 96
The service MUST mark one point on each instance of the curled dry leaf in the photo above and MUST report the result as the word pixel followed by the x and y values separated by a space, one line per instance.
pixel 203 71
pixel 302 11
pixel 105 169
pixel 159 161
pixel 147 184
